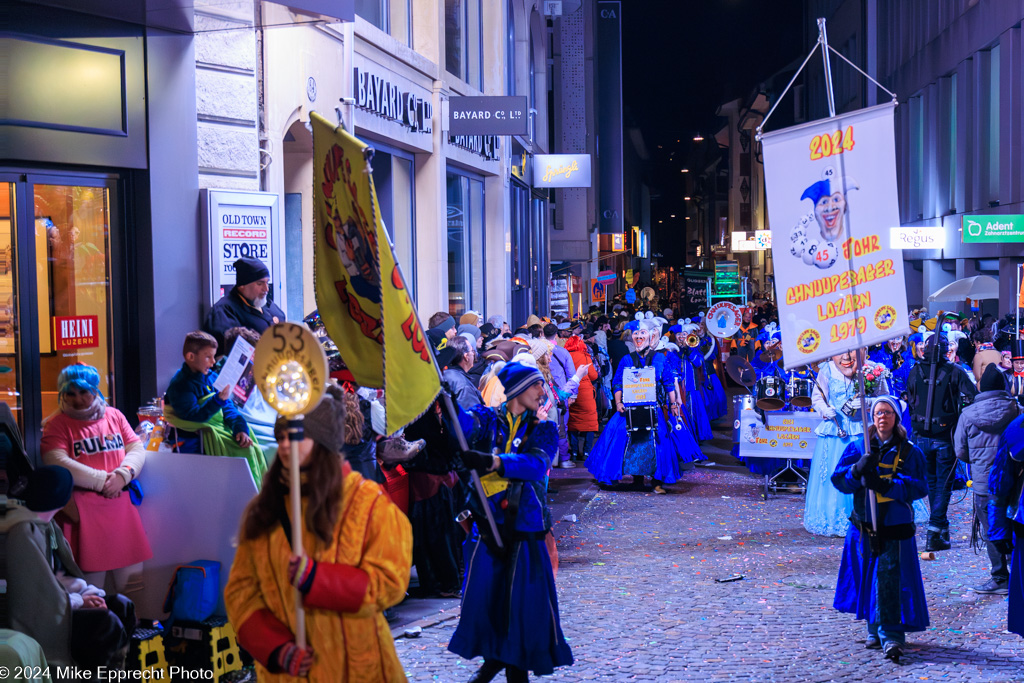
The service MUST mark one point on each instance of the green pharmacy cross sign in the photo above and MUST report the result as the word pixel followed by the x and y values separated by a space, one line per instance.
pixel 1002 228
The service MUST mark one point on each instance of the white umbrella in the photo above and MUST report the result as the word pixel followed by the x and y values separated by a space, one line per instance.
pixel 977 287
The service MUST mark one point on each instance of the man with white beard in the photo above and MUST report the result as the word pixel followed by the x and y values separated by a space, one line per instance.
pixel 246 305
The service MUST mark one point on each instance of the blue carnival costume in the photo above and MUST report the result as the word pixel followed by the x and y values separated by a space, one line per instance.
pixel 879 576
pixel 1006 516
pixel 711 389
pixel 694 408
pixel 655 453
pixel 509 605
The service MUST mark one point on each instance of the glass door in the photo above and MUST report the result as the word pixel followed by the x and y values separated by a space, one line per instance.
pixel 10 344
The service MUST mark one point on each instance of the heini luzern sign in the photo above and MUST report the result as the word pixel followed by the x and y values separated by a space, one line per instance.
pixel 1002 228
pixel 917 238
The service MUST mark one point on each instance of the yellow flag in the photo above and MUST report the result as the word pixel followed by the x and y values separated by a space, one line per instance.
pixel 361 295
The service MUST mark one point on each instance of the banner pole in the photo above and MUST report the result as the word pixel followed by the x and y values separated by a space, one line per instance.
pixel 823 39
pixel 295 435
pixel 872 500
pixel 1016 332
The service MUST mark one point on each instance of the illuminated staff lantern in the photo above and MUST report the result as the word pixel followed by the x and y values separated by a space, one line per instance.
pixel 291 371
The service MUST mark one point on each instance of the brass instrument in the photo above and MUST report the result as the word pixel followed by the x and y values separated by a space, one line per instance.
pixel 692 340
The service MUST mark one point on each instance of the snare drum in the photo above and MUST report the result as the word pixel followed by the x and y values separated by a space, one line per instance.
pixel 771 393
pixel 800 392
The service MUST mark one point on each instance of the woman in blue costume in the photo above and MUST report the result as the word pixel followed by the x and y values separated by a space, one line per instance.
pixel 703 356
pixel 896 356
pixel 693 403
pixel 825 509
pixel 509 605
pixel 879 576
pixel 656 453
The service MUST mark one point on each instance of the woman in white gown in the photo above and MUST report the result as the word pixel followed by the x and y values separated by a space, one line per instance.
pixel 826 510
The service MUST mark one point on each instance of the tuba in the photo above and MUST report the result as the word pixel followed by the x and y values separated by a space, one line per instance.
pixel 692 340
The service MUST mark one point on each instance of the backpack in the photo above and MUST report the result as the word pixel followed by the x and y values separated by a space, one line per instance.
pixel 194 591
pixel 940 417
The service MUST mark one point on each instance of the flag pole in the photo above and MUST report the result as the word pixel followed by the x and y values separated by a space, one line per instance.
pixel 453 414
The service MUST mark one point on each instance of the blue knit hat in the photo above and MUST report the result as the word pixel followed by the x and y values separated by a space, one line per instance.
pixel 517 378
pixel 893 402
pixel 79 376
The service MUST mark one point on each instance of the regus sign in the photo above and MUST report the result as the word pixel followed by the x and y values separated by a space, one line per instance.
pixel 917 238
pixel 561 170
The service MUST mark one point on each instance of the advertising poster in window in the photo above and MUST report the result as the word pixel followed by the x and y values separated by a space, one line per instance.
pixel 832 198
pixel 240 225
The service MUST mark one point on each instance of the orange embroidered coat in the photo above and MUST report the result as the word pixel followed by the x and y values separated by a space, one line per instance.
pixel 364 570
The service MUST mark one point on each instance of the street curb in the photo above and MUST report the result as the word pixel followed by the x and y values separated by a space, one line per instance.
pixel 426 622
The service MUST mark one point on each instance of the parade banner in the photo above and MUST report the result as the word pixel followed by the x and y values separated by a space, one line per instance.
pixel 639 386
pixel 362 298
pixel 831 188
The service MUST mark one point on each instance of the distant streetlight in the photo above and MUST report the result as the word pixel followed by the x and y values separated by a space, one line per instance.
pixel 684 170
pixel 687 218
pixel 661 221
pixel 686 199
pixel 672 215
pixel 698 138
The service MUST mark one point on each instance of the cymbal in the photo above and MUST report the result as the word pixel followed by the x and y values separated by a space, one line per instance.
pixel 741 371
pixel 769 356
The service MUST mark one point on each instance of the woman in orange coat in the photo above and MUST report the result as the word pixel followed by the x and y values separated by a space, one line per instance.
pixel 357 554
pixel 583 424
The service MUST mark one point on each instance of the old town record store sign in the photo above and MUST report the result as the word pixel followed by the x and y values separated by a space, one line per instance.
pixel 378 95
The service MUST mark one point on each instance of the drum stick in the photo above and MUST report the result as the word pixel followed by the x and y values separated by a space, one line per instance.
pixel 842 432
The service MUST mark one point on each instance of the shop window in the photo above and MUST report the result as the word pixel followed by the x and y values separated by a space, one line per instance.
pixel 391 16
pixel 993 126
pixel 393 181
pixel 72 228
pixel 466 265
pixel 463 35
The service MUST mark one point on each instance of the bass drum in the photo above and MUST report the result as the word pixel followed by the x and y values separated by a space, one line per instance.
pixel 800 392
pixel 771 393
pixel 739 404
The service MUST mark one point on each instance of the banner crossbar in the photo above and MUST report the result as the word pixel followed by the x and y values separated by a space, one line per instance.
pixel 821 41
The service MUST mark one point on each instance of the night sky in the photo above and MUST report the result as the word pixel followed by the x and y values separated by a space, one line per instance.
pixel 683 58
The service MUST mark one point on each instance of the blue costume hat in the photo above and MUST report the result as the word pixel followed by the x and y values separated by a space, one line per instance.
pixel 770 333
pixel 78 377
pixel 817 191
pixel 632 325
pixel 893 402
pixel 677 328
pixel 517 378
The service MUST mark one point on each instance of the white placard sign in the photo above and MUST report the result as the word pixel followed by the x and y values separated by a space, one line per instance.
pixel 831 187
pixel 639 386
pixel 240 224
pixel 917 238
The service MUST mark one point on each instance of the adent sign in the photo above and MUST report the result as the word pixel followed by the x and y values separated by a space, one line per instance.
pixel 561 170
pixel 488 115
pixel 1003 228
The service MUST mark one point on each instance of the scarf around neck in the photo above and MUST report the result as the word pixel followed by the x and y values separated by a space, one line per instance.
pixel 91 414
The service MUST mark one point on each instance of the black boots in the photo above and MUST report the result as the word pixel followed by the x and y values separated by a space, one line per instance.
pixel 493 667
pixel 487 672
pixel 938 540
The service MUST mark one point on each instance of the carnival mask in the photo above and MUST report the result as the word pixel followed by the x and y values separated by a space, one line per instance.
pixel 895 344
pixel 846 363
pixel 640 339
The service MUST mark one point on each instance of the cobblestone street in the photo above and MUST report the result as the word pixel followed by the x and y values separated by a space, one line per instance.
pixel 639 598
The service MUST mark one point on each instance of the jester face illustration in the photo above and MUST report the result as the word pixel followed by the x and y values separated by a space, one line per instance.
pixel 356 249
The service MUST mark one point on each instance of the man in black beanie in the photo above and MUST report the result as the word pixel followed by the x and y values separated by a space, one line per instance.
pixel 976 442
pixel 246 305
